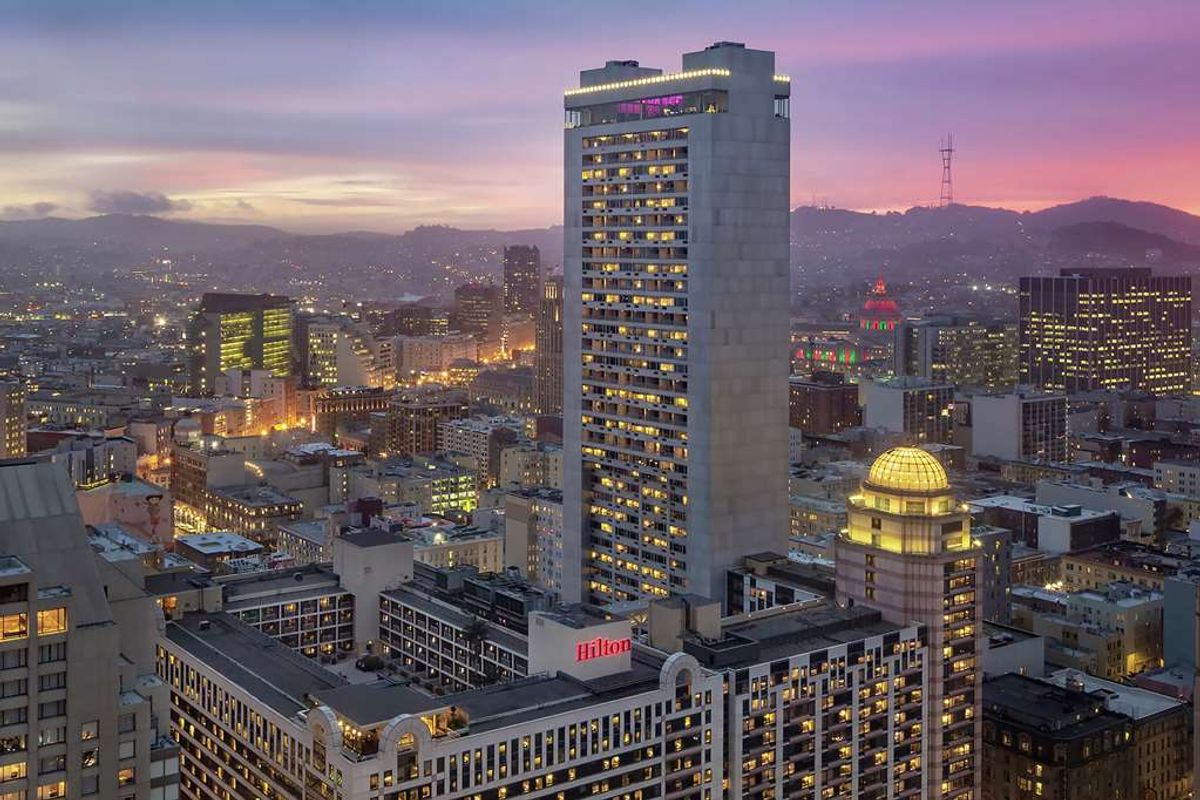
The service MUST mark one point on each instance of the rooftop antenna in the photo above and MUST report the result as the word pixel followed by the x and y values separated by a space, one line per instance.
pixel 947 151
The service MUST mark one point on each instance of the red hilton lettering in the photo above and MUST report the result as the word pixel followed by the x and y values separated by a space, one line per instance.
pixel 601 648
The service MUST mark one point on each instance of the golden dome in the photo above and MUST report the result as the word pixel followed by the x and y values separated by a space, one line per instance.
pixel 908 469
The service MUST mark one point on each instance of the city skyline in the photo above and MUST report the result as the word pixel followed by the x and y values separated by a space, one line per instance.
pixel 314 120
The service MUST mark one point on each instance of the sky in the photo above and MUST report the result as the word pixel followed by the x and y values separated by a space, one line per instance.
pixel 324 115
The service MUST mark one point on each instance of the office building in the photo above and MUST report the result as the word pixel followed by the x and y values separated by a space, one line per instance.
pixel 432 355
pixel 1019 426
pixel 479 311
pixel 916 408
pixel 482 438
pixel 414 319
pixel 238 331
pixel 1090 329
pixel 83 715
pixel 335 351
pixel 533 536
pixel 964 351
pixel 1113 632
pixel 823 403
pixel 907 551
pixel 252 511
pixel 522 279
pixel 345 409
pixel 12 420
pixel 414 416
pixel 677 274
pixel 548 348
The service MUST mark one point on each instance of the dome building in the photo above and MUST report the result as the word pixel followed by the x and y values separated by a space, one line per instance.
pixel 907 551
pixel 880 313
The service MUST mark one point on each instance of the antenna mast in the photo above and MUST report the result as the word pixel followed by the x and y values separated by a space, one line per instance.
pixel 947 151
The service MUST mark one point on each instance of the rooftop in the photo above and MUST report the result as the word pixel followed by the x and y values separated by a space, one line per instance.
pixel 1046 709
pixel 267 669
pixel 215 543
pixel 1128 700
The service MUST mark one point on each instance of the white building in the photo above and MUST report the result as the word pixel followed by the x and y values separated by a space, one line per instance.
pixel 676 270
pixel 1021 426
pixel 917 408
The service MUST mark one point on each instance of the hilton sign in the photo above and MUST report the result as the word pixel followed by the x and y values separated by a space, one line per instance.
pixel 601 647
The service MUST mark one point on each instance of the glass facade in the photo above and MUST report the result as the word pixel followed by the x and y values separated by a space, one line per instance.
pixel 708 101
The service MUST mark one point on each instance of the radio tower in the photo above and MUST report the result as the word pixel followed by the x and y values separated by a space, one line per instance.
pixel 947 151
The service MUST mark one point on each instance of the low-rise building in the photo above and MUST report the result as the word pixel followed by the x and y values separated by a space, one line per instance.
pixel 1042 740
pixel 253 511
pixel 305 609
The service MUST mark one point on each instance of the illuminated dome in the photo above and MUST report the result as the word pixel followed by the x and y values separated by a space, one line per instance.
pixel 880 312
pixel 908 469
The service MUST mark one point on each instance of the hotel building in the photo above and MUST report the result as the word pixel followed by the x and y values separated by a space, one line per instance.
pixel 1090 329
pixel 676 286
pixel 908 552
pixel 82 714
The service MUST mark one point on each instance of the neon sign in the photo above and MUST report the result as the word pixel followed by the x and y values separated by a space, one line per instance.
pixel 601 647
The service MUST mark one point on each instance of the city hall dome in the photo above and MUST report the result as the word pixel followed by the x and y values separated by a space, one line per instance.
pixel 908 469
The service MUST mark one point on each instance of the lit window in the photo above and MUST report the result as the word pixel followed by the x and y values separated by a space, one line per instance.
pixel 14 626
pixel 51 621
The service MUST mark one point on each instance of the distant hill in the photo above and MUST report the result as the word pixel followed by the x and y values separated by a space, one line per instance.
pixel 1113 238
pixel 1151 217
pixel 828 245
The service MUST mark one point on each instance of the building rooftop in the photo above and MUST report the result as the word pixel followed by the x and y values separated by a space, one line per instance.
pixel 249 590
pixel 495 706
pixel 255 496
pixel 779 633
pixel 1046 709
pixel 1131 701
pixel 217 543
pixel 272 672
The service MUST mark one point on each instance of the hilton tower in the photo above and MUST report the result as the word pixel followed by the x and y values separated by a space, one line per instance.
pixel 675 323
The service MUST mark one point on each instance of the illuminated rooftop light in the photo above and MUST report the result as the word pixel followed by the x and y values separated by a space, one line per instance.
pixel 716 72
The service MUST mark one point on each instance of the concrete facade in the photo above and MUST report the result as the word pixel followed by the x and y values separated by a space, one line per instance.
pixel 676 269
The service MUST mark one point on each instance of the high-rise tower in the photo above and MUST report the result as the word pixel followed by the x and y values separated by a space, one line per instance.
pixel 675 319
pixel 522 279
pixel 1094 329
pixel 907 551
pixel 548 350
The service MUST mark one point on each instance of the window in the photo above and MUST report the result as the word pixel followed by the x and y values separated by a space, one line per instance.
pixel 14 593
pixel 14 626
pixel 126 749
pixel 48 791
pixel 49 736
pixel 90 758
pixel 14 716
pixel 49 653
pixel 50 764
pixel 11 659
pixel 126 776
pixel 14 688
pixel 126 723
pixel 51 621
pixel 91 784
pixel 53 680
pixel 89 730
pixel 12 772
pixel 55 708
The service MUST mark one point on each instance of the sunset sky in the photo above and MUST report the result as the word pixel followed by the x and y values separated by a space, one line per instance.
pixel 383 115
